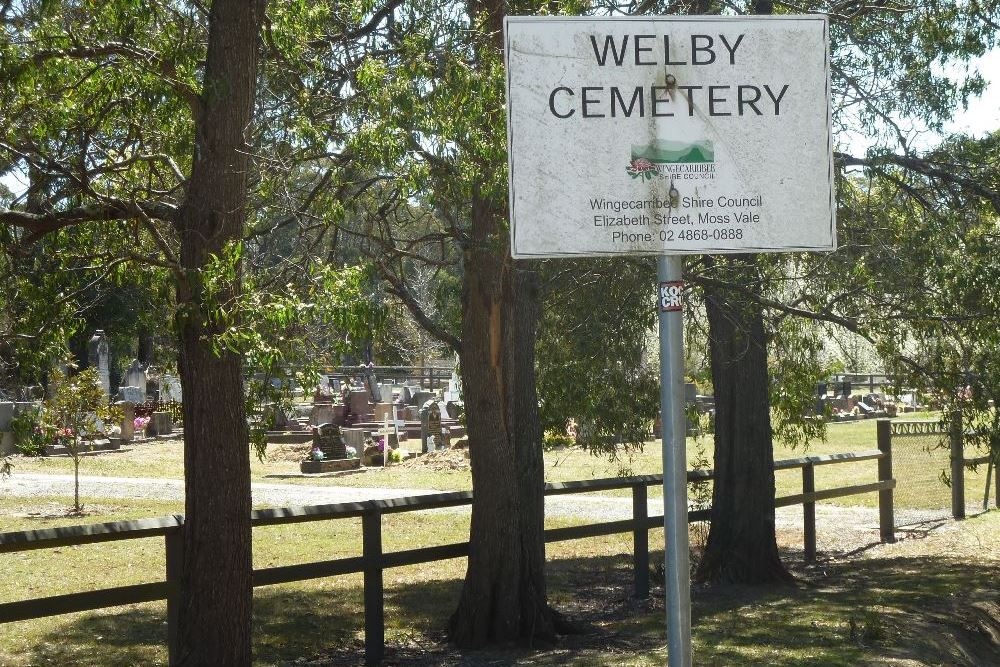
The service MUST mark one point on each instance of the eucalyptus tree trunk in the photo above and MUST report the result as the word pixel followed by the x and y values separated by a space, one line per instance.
pixel 741 544
pixel 216 593
pixel 504 596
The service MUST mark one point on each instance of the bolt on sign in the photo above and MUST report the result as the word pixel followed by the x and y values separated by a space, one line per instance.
pixel 669 135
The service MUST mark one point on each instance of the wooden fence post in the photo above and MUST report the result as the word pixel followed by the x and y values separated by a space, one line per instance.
pixel 957 466
pixel 886 515
pixel 809 513
pixel 640 541
pixel 371 536
pixel 174 544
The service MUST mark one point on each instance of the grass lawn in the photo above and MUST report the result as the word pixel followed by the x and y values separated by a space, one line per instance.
pixel 916 471
pixel 916 602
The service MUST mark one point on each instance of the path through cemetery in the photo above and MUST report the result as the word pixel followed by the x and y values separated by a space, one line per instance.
pixel 837 527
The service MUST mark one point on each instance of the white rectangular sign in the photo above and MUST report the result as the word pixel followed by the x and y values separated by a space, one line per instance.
pixel 668 135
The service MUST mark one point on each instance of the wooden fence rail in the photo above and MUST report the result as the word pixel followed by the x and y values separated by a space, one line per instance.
pixel 373 560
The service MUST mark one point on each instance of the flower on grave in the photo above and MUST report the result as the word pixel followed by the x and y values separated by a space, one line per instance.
pixel 317 454
pixel 381 444
pixel 140 423
pixel 352 453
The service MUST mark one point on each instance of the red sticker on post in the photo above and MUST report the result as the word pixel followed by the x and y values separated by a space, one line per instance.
pixel 671 296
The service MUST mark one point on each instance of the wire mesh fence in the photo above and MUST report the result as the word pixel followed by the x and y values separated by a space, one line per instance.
pixel 921 462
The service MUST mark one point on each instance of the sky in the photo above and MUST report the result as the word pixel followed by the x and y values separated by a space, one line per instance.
pixel 982 116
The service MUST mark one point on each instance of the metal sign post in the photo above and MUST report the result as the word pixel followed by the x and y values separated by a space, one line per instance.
pixel 677 587
pixel 669 136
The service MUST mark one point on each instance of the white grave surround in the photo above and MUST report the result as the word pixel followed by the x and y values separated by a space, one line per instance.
pixel 669 135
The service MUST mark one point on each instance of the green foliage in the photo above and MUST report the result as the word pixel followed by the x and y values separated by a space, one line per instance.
pixel 31 434
pixel 555 440
pixel 592 363
pixel 77 403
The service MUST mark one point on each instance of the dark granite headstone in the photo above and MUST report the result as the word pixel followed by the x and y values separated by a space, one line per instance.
pixel 430 425
pixel 328 439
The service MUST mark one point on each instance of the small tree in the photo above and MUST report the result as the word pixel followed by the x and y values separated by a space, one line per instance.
pixel 76 405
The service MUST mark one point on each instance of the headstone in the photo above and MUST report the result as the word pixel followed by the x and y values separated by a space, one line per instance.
pixel 454 391
pixel 373 389
pixel 323 413
pixel 6 414
pixel 385 391
pixel 98 357
pixel 845 388
pixel 405 394
pixel 152 384
pixel 383 411
pixel 354 437
pixel 430 424
pixel 335 386
pixel 135 376
pixel 359 402
pixel 131 395
pixel 327 438
pixel 418 398
pixel 128 420
pixel 170 389
pixel 160 423
pixel 821 389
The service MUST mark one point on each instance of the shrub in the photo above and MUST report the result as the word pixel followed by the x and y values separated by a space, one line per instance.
pixel 31 435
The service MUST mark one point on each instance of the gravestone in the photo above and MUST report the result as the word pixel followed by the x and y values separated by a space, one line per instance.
pixel 405 395
pixel 98 357
pixel 6 414
pixel 418 398
pixel 383 411
pixel 325 413
pixel 152 384
pixel 327 438
pixel 128 419
pixel 160 423
pixel 359 402
pixel 354 437
pixel 135 376
pixel 170 389
pixel 430 424
pixel 845 389
pixel 131 395
pixel 454 391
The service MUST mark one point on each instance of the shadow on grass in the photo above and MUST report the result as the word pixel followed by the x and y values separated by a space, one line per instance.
pixel 930 609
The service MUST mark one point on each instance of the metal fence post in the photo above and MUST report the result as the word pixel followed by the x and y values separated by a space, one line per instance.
pixel 174 544
pixel 957 466
pixel 886 516
pixel 640 541
pixel 371 536
pixel 809 513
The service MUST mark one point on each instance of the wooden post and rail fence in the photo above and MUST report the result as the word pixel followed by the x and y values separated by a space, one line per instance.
pixel 373 560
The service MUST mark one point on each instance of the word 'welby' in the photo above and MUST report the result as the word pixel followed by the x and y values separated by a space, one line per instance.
pixel 703 51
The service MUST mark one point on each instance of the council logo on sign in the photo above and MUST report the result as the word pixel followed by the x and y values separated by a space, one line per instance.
pixel 673 159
